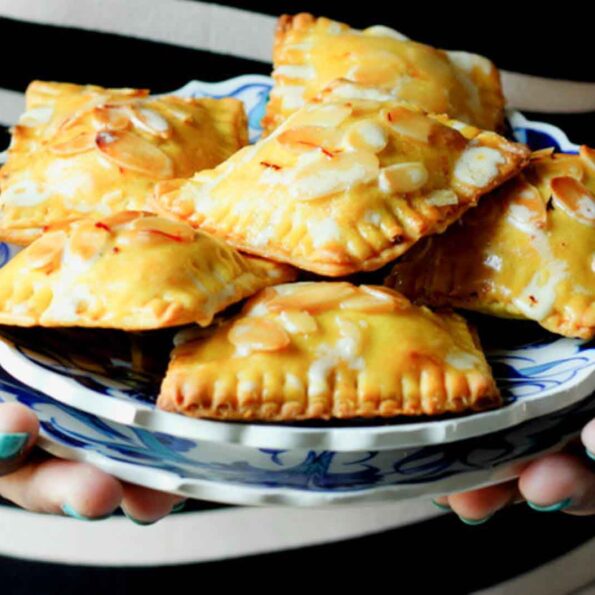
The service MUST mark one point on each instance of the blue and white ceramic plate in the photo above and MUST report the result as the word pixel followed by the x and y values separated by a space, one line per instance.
pixel 104 385
pixel 94 371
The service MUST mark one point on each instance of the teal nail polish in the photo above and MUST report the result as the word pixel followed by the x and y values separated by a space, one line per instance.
pixel 12 445
pixel 474 522
pixel 556 507
pixel 179 506
pixel 441 506
pixel 138 521
pixel 590 454
pixel 71 512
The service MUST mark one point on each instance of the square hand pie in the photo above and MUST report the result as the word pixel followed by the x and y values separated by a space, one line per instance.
pixel 83 151
pixel 329 349
pixel 346 184
pixel 131 271
pixel 309 53
pixel 528 251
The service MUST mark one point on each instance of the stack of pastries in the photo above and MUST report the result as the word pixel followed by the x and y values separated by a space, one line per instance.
pixel 142 213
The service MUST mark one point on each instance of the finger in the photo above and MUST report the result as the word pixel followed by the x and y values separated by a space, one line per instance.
pixel 588 438
pixel 478 506
pixel 559 481
pixel 19 428
pixel 52 485
pixel 144 506
pixel 441 502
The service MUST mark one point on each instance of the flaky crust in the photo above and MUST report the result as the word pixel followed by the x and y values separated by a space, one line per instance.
pixel 527 251
pixel 350 182
pixel 329 350
pixel 132 271
pixel 88 151
pixel 310 52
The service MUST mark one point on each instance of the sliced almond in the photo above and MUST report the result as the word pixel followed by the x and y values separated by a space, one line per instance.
pixel 588 156
pixel 45 253
pixel 82 112
pixel 368 135
pixel 560 165
pixel 529 208
pixel 312 297
pixel 542 153
pixel 442 198
pixel 150 121
pixel 111 117
pixel 328 116
pixel 88 239
pixel 575 199
pixel 118 219
pixel 130 151
pixel 410 124
pixel 258 334
pixel 319 178
pixel 298 322
pixel 166 228
pixel 308 137
pixel 79 143
pixel 403 177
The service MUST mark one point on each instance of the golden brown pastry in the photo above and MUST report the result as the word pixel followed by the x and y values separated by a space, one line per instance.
pixel 527 251
pixel 348 183
pixel 324 350
pixel 310 52
pixel 131 271
pixel 88 151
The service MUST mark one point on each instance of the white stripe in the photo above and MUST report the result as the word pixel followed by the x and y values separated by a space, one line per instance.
pixel 567 573
pixel 196 25
pixel 194 537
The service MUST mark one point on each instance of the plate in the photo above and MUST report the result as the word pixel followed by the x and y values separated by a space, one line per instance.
pixel 94 371
pixel 239 474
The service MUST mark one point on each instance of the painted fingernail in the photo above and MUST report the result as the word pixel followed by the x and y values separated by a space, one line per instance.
pixel 179 506
pixel 590 454
pixel 12 445
pixel 138 521
pixel 71 512
pixel 474 522
pixel 556 507
pixel 441 506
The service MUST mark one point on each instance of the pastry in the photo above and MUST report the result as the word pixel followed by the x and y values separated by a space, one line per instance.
pixel 527 251
pixel 329 350
pixel 310 52
pixel 131 271
pixel 82 151
pixel 348 183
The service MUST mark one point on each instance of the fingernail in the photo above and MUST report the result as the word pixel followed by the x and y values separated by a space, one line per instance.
pixel 71 512
pixel 590 454
pixel 441 506
pixel 556 507
pixel 179 506
pixel 12 445
pixel 138 521
pixel 474 522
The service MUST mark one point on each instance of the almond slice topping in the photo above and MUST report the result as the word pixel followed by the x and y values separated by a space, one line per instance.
pixel 575 199
pixel 298 322
pixel 79 143
pixel 166 228
pixel 528 208
pixel 308 137
pixel 258 334
pixel 312 297
pixel 87 239
pixel 411 124
pixel 403 177
pixel 111 117
pixel 45 253
pixel 130 151
pixel 367 135
pixel 150 121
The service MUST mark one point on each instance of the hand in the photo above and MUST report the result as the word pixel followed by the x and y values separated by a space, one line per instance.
pixel 41 483
pixel 555 482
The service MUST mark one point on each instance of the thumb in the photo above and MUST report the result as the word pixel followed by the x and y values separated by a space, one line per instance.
pixel 19 428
